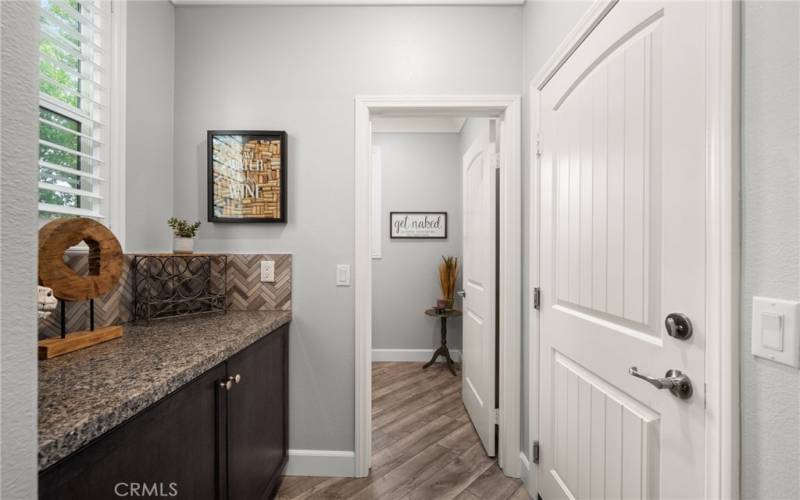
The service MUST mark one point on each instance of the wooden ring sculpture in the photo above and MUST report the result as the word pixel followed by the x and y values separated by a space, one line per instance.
pixel 105 258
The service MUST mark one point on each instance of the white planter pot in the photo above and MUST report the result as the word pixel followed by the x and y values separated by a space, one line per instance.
pixel 182 245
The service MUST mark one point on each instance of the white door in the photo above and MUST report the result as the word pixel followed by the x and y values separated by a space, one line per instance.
pixel 478 349
pixel 623 173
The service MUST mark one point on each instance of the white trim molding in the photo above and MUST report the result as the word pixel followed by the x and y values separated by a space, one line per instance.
pixel 722 249
pixel 362 290
pixel 533 283
pixel 411 355
pixel 328 463
pixel 117 120
pixel 722 452
pixel 508 110
pixel 294 3
pixel 525 475
pixel 510 287
pixel 376 214
pixel 417 124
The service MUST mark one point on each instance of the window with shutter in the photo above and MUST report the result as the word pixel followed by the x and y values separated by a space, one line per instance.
pixel 74 69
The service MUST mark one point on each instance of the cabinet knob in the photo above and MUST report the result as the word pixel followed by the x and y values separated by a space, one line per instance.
pixel 226 384
pixel 237 378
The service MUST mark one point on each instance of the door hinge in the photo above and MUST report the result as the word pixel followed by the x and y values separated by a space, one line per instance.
pixel 496 416
pixel 537 298
pixel 535 454
pixel 538 145
pixel 495 160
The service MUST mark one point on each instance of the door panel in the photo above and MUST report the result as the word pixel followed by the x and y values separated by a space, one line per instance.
pixel 257 423
pixel 622 246
pixel 603 191
pixel 603 436
pixel 478 367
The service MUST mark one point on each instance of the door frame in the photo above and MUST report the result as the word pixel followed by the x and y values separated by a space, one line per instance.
pixel 722 239
pixel 509 108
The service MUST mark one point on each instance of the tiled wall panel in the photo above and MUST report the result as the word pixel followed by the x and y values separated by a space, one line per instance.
pixel 246 292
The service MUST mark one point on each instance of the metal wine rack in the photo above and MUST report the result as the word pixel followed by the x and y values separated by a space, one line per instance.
pixel 168 285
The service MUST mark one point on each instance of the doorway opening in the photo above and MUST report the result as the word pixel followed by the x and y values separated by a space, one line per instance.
pixel 475 231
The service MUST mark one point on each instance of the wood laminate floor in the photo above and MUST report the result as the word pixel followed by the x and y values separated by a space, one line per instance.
pixel 423 445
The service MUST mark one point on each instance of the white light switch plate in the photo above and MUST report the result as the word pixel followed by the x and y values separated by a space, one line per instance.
pixel 342 275
pixel 776 331
pixel 267 271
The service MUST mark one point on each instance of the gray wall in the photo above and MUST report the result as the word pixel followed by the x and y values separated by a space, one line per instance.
pixel 298 69
pixel 19 131
pixel 421 172
pixel 545 25
pixel 771 245
pixel 149 125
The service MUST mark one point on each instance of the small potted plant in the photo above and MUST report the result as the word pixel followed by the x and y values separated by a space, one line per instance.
pixel 184 235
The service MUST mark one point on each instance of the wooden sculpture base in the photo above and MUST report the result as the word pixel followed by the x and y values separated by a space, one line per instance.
pixel 50 348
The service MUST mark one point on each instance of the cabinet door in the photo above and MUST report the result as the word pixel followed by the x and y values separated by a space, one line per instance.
pixel 170 449
pixel 257 417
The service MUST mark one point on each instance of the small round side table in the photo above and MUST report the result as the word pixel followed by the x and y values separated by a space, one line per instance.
pixel 443 350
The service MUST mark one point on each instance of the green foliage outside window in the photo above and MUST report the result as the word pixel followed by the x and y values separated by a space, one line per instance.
pixel 59 70
pixel 58 157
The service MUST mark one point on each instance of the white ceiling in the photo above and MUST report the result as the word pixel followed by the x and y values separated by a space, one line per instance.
pixel 348 2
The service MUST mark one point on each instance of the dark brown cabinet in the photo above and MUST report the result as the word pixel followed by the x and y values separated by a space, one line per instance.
pixel 257 430
pixel 212 439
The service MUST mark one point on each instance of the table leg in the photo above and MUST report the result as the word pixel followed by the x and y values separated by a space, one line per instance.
pixel 450 363
pixel 433 359
pixel 443 350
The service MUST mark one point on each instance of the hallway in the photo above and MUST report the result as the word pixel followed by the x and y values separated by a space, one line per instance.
pixel 424 446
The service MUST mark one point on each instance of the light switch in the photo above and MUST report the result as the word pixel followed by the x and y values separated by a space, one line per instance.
pixel 267 271
pixel 776 331
pixel 342 275
pixel 772 331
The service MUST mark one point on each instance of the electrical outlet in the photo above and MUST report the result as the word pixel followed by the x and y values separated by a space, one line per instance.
pixel 267 271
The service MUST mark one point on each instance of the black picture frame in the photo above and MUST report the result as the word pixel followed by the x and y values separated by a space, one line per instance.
pixel 391 228
pixel 270 134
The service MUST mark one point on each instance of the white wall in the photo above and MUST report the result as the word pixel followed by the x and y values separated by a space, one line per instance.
pixel 19 131
pixel 770 393
pixel 421 172
pixel 149 125
pixel 298 69
pixel 545 25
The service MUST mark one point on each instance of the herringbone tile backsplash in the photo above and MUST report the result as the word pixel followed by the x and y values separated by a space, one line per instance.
pixel 246 292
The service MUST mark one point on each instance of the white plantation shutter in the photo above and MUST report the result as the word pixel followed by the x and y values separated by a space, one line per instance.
pixel 74 62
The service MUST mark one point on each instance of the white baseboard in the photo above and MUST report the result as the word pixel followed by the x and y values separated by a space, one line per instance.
pixel 525 475
pixel 411 355
pixel 328 463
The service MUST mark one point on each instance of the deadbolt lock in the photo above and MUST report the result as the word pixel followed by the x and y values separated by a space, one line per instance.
pixel 678 325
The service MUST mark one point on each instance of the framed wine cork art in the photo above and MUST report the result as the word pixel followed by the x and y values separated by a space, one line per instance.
pixel 246 176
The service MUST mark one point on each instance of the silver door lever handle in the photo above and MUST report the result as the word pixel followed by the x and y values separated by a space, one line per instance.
pixel 658 383
pixel 676 381
pixel 461 293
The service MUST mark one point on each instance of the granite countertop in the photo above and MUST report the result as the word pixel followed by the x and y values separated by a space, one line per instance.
pixel 88 392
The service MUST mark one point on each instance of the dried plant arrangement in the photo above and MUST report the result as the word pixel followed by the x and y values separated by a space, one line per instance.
pixel 448 274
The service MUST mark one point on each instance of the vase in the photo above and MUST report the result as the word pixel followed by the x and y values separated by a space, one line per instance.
pixel 182 245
